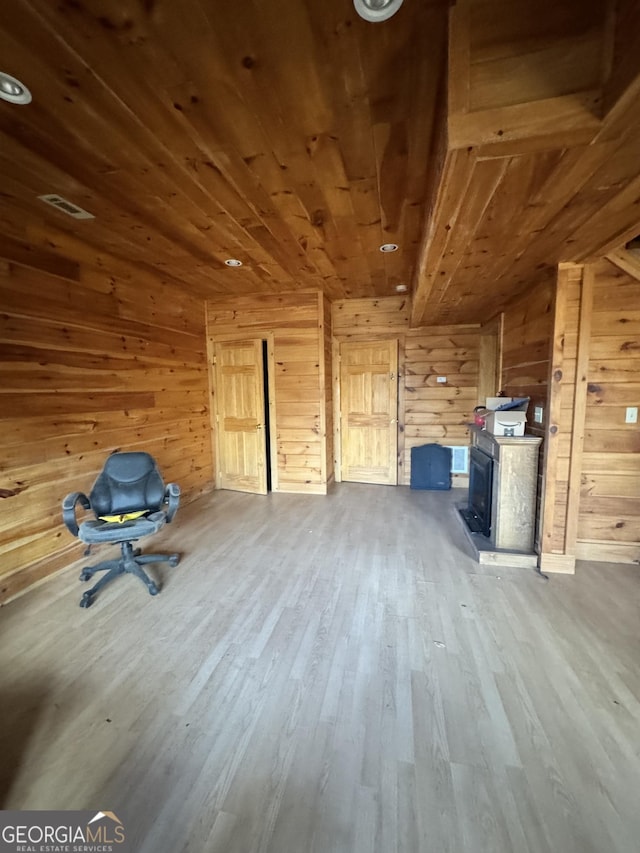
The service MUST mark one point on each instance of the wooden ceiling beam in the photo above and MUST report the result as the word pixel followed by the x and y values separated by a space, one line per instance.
pixel 566 114
pixel 626 260
pixel 451 191
pixel 569 185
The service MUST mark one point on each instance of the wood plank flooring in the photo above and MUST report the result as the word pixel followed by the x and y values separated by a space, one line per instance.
pixel 331 674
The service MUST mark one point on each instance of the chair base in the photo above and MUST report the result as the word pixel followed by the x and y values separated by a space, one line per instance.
pixel 130 562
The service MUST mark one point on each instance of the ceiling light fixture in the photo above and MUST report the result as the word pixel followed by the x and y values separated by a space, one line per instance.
pixel 401 288
pixel 376 10
pixel 13 90
pixel 233 262
pixel 389 247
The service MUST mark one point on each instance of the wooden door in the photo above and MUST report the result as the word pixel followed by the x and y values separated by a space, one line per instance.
pixel 239 389
pixel 369 412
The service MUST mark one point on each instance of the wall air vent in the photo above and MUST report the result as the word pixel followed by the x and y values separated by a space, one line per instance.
pixel 66 206
pixel 460 460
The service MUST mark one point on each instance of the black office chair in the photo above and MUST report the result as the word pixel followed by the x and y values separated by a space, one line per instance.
pixel 128 500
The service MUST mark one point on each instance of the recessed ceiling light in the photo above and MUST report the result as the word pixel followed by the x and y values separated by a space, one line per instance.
pixel 376 10
pixel 233 262
pixel 389 247
pixel 13 90
pixel 401 288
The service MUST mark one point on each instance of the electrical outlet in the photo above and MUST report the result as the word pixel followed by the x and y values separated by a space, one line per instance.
pixel 632 415
pixel 441 380
pixel 538 413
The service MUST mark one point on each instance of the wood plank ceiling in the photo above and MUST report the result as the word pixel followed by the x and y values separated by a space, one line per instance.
pixel 298 138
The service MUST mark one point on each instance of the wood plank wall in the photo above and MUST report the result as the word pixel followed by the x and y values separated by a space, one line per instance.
pixel 490 358
pixel 609 508
pixel 563 441
pixel 526 349
pixel 527 333
pixel 325 344
pixel 588 320
pixel 90 363
pixel 296 321
pixel 428 412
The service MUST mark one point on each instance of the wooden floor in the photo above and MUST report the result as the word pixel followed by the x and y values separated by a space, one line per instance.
pixel 331 674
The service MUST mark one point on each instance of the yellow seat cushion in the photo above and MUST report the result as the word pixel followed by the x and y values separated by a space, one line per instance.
pixel 126 516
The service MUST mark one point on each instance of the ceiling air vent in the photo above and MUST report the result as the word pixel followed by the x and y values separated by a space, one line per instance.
pixel 66 206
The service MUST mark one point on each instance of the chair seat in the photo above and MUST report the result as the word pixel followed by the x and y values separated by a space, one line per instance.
pixel 93 532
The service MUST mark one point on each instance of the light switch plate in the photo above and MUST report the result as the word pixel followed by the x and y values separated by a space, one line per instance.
pixel 538 413
pixel 632 415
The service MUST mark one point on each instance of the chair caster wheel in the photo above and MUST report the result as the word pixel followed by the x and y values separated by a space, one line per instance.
pixel 86 600
pixel 85 574
pixel 174 559
pixel 153 589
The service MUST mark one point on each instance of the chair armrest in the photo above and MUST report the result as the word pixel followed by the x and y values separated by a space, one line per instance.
pixel 69 510
pixel 172 497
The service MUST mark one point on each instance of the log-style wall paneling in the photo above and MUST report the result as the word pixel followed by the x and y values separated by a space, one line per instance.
pixel 490 358
pixel 296 324
pixel 608 522
pixel 526 340
pixel 591 460
pixel 326 387
pixel 557 553
pixel 572 346
pixel 428 411
pixel 435 412
pixel 90 362
pixel 527 333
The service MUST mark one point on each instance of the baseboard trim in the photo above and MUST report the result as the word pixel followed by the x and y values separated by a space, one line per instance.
pixel 609 552
pixel 299 489
pixel 22 580
pixel 564 564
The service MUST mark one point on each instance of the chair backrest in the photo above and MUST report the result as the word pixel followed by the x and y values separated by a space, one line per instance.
pixel 128 482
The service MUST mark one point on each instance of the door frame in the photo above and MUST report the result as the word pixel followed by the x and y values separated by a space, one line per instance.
pixel 270 367
pixel 336 343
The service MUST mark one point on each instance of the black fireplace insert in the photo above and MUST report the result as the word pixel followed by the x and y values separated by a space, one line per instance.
pixel 480 491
